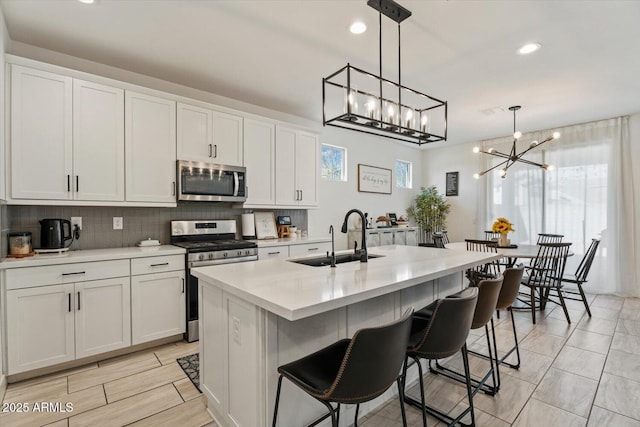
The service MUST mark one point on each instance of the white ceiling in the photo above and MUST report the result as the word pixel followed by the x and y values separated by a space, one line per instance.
pixel 274 53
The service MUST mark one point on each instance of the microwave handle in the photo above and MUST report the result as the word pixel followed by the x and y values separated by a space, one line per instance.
pixel 236 184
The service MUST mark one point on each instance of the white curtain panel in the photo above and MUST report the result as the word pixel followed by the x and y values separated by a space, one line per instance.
pixel 588 195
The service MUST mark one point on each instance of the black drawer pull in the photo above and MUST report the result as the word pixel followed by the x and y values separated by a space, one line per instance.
pixel 312 249
pixel 73 274
pixel 159 265
pixel 273 253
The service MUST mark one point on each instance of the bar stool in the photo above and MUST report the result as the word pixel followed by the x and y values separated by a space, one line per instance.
pixel 508 294
pixel 442 335
pixel 352 370
pixel 488 292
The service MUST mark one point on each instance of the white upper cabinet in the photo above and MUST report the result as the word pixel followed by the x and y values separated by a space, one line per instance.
pixel 209 136
pixel 150 148
pixel 98 142
pixel 296 167
pixel 41 135
pixel 259 159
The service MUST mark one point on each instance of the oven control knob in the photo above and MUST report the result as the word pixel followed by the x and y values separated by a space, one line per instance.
pixel 224 254
pixel 239 253
pixel 201 257
pixel 247 252
pixel 211 255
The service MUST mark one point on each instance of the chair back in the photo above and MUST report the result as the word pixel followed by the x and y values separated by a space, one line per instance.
pixel 447 330
pixel 490 269
pixel 549 238
pixel 548 266
pixel 445 236
pixel 510 287
pixel 372 361
pixel 587 260
pixel 438 240
pixel 490 235
pixel 488 292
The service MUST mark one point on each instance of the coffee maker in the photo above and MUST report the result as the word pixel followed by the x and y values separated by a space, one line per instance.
pixel 55 233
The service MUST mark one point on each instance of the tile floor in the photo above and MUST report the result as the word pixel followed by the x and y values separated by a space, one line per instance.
pixel 583 374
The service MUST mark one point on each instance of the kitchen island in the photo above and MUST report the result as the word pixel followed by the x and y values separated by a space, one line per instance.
pixel 259 315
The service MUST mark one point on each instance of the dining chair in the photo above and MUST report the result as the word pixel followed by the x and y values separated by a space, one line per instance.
pixel 438 240
pixel 545 273
pixel 445 237
pixel 580 276
pixel 491 235
pixel 489 270
pixel 549 238
pixel 352 371
pixel 442 335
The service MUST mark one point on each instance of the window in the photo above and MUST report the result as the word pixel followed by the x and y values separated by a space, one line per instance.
pixel 403 174
pixel 334 163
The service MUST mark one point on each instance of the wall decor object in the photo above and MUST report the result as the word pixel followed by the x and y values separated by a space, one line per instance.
pixel 452 184
pixel 372 179
pixel 265 225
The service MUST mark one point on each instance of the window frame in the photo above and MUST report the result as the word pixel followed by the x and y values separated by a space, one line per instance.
pixel 409 174
pixel 343 173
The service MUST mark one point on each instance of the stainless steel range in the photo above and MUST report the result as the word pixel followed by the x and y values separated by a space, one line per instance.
pixel 207 243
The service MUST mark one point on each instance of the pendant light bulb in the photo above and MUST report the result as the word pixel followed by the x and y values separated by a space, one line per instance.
pixel 476 175
pixel 533 144
pixel 556 135
pixel 517 135
pixel 503 173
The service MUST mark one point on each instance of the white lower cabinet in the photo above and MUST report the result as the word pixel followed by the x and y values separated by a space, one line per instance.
pixel 309 249
pixel 412 237
pixel 53 324
pixel 273 252
pixel 157 306
pixel 385 236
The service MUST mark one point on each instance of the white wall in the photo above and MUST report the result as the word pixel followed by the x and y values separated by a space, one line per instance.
pixel 336 198
pixel 3 41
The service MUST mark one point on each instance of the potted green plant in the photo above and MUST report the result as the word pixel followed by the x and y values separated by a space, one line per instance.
pixel 429 210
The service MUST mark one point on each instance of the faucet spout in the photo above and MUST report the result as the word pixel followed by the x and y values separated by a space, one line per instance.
pixel 333 252
pixel 363 252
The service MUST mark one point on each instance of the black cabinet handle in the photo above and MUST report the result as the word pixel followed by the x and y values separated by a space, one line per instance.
pixel 173 188
pixel 77 183
pixel 78 300
pixel 183 285
pixel 210 150
pixel 68 183
pixel 312 249
pixel 215 151
pixel 73 274
pixel 273 253
pixel 69 295
pixel 159 265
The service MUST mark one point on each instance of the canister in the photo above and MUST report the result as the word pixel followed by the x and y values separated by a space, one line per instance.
pixel 20 243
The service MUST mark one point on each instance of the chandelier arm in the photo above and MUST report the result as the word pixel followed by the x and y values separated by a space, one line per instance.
pixel 531 163
pixel 494 167
pixel 535 146
pixel 497 154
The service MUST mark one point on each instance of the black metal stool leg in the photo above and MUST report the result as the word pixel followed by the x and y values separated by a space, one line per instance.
pixel 467 372
pixel 495 353
pixel 401 396
pixel 275 410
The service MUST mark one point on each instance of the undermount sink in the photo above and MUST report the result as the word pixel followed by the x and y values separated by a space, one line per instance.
pixel 325 260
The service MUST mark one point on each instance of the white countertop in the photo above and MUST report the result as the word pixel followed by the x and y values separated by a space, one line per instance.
pixel 90 255
pixel 295 291
pixel 287 241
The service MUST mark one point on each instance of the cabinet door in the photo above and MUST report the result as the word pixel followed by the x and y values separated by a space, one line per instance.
pixel 98 142
pixel 373 239
pixel 227 139
pixel 320 248
pixel 195 133
pixel 386 238
pixel 412 237
pixel 150 148
pixel 102 316
pixel 307 168
pixel 400 237
pixel 273 252
pixel 286 191
pixel 259 159
pixel 157 306
pixel 39 327
pixel 41 139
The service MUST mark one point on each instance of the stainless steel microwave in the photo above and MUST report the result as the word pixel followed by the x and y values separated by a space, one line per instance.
pixel 207 182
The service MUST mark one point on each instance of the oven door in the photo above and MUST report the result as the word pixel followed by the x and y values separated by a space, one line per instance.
pixel 210 182
pixel 192 333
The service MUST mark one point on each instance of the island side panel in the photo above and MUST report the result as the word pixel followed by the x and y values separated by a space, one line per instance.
pixel 451 284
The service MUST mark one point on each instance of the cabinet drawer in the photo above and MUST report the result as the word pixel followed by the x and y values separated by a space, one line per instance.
pixel 310 249
pixel 273 252
pixel 157 264
pixel 65 273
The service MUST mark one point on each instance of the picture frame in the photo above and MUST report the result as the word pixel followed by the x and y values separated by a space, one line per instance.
pixel 451 180
pixel 372 179
pixel 265 225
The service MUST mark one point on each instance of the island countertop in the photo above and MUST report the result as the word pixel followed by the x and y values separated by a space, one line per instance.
pixel 295 291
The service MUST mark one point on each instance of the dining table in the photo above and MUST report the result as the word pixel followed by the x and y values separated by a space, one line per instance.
pixel 511 253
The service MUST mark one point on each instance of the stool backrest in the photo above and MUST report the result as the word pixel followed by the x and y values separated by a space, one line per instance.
pixel 372 361
pixel 488 292
pixel 510 286
pixel 447 331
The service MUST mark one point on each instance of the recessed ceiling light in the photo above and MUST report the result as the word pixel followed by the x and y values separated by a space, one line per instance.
pixel 87 1
pixel 528 48
pixel 358 27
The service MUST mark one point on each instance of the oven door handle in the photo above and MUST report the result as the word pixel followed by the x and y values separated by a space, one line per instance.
pixel 194 264
pixel 236 184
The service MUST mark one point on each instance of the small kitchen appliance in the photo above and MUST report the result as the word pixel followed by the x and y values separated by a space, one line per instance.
pixel 207 243
pixel 55 233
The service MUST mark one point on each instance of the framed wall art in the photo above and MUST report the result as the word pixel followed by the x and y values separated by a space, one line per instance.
pixel 265 225
pixel 372 179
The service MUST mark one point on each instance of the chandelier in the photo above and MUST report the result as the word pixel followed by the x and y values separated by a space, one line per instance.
pixel 513 156
pixel 358 100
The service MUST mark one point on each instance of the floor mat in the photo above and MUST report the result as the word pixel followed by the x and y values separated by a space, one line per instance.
pixel 191 366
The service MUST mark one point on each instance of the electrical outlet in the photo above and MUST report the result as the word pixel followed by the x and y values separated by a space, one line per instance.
pixel 117 223
pixel 76 220
pixel 236 331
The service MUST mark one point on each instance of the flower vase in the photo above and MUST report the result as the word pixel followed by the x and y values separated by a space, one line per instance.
pixel 503 240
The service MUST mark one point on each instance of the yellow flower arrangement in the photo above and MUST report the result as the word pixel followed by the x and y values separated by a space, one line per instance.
pixel 502 226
